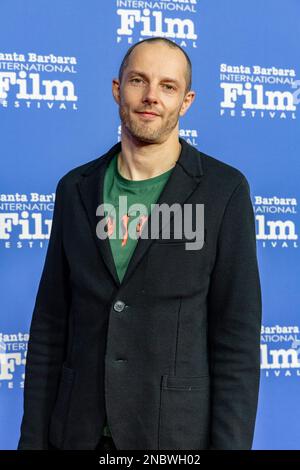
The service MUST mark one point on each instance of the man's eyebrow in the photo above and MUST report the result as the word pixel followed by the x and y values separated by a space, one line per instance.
pixel 165 79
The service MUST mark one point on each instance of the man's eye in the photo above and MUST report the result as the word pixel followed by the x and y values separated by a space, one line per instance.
pixel 169 87
pixel 135 79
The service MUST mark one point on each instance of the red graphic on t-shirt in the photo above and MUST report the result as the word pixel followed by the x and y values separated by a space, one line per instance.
pixel 110 226
pixel 124 221
pixel 140 224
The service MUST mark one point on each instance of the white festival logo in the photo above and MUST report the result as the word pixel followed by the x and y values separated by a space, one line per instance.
pixel 175 27
pixel 285 229
pixel 53 89
pixel 256 97
pixel 279 358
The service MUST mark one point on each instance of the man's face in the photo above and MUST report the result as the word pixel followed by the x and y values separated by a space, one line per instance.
pixel 147 86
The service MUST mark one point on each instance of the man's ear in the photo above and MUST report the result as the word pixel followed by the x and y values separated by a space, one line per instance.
pixel 187 101
pixel 116 90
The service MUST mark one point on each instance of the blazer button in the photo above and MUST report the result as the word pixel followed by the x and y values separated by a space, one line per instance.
pixel 119 306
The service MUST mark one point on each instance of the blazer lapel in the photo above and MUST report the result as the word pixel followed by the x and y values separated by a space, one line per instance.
pixel 91 191
pixel 182 182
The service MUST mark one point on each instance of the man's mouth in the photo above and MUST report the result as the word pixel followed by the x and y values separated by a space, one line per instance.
pixel 147 114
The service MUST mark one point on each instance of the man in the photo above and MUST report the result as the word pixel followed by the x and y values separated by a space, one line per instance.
pixel 139 341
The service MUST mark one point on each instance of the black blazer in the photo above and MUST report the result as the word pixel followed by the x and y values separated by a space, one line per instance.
pixel 173 351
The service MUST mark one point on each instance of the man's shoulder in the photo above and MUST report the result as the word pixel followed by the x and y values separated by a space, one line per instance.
pixel 218 168
pixel 73 174
pixel 221 180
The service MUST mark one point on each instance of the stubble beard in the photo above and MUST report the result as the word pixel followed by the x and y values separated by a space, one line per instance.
pixel 147 131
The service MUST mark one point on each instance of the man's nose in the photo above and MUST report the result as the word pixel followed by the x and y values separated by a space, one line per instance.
pixel 150 94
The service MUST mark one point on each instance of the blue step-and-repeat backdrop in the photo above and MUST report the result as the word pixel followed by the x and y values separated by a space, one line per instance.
pixel 57 61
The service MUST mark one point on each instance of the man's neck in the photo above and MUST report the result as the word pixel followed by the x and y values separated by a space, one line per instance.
pixel 147 161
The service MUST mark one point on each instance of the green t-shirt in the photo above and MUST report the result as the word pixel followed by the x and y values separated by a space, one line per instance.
pixel 144 192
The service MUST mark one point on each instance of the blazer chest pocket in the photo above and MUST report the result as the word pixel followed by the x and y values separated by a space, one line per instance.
pixel 184 413
pixel 181 240
pixel 174 271
pixel 59 417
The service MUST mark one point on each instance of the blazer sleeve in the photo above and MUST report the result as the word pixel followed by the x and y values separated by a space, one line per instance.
pixel 47 338
pixel 234 326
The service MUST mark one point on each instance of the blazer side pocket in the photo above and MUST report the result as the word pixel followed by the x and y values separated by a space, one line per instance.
pixel 59 417
pixel 184 413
